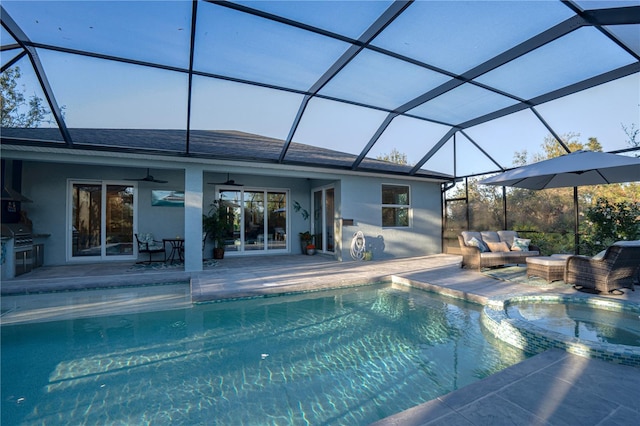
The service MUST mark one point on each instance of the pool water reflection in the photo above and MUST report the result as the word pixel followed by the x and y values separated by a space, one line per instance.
pixel 336 357
pixel 581 321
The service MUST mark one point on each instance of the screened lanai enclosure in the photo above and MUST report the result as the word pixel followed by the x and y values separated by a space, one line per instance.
pixel 458 89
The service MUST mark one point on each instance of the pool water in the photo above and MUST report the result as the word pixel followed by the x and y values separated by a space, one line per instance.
pixel 582 321
pixel 337 357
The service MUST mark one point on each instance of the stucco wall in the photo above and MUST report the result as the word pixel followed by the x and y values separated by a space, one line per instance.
pixel 357 198
pixel 46 184
pixel 362 202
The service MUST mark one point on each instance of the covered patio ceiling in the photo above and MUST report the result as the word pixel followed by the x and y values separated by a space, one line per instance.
pixel 458 86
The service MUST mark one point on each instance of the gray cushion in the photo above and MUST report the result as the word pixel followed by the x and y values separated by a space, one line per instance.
pixel 468 235
pixel 490 237
pixel 478 243
pixel 507 237
pixel 630 243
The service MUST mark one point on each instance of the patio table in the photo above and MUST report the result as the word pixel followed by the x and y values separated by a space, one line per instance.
pixel 177 247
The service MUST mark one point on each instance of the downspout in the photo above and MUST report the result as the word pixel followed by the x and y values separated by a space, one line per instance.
pixel 443 220
pixel 577 218
pixel 504 208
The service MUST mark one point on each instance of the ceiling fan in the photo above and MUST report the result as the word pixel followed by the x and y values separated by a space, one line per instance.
pixel 229 182
pixel 149 178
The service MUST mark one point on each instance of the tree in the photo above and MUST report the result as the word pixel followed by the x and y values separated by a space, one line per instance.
pixel 16 109
pixel 633 135
pixel 550 212
pixel 394 156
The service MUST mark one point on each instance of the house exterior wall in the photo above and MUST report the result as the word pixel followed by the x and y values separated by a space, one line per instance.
pixel 356 197
pixel 362 202
pixel 46 183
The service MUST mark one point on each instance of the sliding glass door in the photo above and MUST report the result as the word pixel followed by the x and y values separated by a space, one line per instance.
pixel 323 223
pixel 101 218
pixel 259 219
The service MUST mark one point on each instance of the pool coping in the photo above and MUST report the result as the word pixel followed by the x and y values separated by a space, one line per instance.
pixel 534 339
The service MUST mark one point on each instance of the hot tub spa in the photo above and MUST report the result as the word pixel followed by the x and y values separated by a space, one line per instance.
pixel 592 327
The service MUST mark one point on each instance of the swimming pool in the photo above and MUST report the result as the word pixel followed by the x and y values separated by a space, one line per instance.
pixel 581 321
pixel 592 327
pixel 335 357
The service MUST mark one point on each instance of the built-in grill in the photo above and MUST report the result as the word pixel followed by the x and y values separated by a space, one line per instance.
pixel 21 246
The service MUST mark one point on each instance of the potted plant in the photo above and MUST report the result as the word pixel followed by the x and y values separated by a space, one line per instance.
pixel 218 223
pixel 305 240
pixel 311 249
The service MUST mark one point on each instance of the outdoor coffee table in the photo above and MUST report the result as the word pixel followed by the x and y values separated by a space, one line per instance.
pixel 551 268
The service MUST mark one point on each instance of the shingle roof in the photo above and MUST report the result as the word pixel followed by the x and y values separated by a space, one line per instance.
pixel 227 145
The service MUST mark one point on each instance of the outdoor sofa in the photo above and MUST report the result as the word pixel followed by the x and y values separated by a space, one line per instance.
pixel 616 267
pixel 494 248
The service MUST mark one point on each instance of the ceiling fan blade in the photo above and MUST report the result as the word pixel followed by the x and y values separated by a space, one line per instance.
pixel 148 178
pixel 229 182
pixel 151 179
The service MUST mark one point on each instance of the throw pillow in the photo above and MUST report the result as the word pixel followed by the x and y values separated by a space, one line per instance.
pixel 478 243
pixel 498 247
pixel 520 244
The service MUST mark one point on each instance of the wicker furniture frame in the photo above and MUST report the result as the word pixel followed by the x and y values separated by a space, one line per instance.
pixel 473 258
pixel 548 267
pixel 618 268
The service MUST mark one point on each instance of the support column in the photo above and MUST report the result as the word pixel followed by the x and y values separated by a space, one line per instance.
pixel 193 218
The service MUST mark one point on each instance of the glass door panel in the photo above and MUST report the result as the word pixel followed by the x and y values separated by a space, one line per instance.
pixel 119 220
pixel 329 219
pixel 231 199
pixel 277 220
pixel 318 220
pixel 86 220
pixel 324 219
pixel 255 234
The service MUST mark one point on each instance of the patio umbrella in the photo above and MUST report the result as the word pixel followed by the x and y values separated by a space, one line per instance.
pixel 578 168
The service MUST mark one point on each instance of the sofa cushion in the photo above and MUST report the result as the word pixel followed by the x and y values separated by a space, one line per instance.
pixel 508 237
pixel 478 243
pixel 499 247
pixel 490 237
pixel 520 244
pixel 468 235
pixel 510 256
pixel 627 243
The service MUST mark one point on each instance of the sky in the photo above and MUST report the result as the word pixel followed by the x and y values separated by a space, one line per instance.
pixel 101 93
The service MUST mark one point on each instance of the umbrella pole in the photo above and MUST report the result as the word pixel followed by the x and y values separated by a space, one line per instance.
pixel 577 224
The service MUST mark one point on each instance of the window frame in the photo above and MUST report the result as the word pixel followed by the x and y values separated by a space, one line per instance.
pixel 396 206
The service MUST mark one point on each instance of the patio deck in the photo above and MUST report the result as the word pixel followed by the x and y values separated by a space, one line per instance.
pixel 553 388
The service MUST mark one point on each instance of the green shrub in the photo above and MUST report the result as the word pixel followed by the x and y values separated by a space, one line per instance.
pixel 606 223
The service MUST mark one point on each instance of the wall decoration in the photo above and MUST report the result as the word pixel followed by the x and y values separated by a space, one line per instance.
pixel 167 198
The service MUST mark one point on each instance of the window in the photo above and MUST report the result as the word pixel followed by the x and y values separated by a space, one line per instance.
pixel 395 205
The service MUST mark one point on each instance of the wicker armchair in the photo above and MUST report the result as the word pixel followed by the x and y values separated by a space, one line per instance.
pixel 617 268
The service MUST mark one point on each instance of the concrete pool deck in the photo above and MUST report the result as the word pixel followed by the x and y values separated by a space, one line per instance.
pixel 553 388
